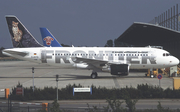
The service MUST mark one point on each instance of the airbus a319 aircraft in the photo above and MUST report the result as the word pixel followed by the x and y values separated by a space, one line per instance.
pixel 116 60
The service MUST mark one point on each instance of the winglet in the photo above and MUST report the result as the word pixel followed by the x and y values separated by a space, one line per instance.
pixel 20 36
pixel 48 39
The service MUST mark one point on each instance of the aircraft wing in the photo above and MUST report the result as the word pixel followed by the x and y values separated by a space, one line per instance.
pixel 94 62
pixel 89 61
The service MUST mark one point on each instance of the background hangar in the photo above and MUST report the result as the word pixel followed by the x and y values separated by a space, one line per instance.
pixel 163 30
pixel 144 34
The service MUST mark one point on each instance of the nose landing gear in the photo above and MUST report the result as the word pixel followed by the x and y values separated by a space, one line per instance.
pixel 152 73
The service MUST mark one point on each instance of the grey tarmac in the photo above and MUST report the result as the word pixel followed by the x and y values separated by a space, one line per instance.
pixel 12 72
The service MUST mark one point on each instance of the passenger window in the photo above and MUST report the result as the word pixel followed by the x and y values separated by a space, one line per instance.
pixel 164 54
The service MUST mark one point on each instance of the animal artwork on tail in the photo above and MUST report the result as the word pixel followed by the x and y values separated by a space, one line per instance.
pixel 20 36
pixel 16 31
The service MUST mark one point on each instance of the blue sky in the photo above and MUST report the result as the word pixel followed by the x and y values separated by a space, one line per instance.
pixel 80 22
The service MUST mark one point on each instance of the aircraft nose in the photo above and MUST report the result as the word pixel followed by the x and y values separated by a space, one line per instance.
pixel 174 61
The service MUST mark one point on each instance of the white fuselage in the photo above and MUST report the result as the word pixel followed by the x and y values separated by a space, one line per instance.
pixel 136 58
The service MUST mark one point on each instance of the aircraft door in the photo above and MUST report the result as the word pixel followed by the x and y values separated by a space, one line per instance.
pixel 115 57
pixel 106 56
pixel 153 55
pixel 43 56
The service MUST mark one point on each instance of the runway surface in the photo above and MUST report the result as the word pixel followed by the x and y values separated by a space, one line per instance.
pixel 12 72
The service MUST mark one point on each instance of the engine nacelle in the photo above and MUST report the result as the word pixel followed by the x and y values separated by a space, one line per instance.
pixel 119 69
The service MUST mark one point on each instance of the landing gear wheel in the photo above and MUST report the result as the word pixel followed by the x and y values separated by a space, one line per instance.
pixel 151 76
pixel 94 75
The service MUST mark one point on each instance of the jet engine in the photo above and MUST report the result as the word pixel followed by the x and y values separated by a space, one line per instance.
pixel 119 69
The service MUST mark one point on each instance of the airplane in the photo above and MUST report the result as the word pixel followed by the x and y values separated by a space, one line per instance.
pixel 116 60
pixel 48 39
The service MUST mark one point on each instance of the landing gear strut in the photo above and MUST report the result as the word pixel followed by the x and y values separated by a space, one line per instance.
pixel 152 73
pixel 94 75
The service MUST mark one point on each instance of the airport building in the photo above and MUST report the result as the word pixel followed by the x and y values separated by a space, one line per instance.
pixel 162 31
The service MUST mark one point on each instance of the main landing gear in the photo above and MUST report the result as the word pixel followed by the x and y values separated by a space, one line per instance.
pixel 94 75
pixel 152 73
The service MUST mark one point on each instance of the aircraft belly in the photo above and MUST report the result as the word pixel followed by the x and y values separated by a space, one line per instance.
pixel 143 66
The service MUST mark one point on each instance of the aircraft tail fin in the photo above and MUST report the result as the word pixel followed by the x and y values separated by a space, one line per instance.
pixel 48 39
pixel 20 36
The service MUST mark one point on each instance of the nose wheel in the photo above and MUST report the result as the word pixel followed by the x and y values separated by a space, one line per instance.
pixel 94 75
pixel 151 76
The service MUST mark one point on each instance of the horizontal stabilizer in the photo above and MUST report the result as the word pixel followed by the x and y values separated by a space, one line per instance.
pixel 11 52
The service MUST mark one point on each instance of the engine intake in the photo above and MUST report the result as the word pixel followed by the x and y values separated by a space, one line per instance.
pixel 119 69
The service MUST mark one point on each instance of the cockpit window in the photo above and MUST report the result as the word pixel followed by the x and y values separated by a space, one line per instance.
pixel 166 54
